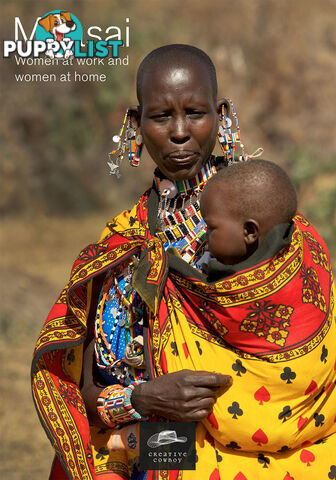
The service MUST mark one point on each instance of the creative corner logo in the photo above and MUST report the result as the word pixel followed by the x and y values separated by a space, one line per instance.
pixel 59 35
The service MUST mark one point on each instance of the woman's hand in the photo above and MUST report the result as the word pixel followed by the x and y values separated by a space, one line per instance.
pixel 183 396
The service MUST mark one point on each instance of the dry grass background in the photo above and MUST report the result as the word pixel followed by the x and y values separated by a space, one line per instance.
pixel 275 58
pixel 38 257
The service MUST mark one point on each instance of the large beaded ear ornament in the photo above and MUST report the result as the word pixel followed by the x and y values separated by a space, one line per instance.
pixel 228 140
pixel 128 143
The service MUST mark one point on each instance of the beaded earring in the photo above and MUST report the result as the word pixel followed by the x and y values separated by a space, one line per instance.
pixel 228 139
pixel 128 142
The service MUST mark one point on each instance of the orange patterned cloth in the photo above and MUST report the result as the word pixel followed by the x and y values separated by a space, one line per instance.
pixel 271 326
pixel 58 356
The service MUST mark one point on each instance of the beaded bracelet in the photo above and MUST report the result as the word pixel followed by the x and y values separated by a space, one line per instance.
pixel 127 401
pixel 114 405
pixel 103 412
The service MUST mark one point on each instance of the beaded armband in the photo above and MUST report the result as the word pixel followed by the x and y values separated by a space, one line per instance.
pixel 113 391
pixel 114 405
pixel 127 402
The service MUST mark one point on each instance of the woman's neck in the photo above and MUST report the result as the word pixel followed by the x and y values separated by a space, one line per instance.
pixel 175 195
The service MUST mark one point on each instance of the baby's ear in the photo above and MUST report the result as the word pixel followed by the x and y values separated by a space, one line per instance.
pixel 251 231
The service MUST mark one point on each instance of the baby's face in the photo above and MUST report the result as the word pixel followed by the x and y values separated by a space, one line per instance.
pixel 225 232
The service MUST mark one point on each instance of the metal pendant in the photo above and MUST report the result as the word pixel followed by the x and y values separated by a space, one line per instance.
pixel 114 167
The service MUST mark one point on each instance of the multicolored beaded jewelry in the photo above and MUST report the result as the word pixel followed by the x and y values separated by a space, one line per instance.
pixel 228 139
pixel 170 191
pixel 118 329
pixel 114 405
pixel 103 412
pixel 118 326
pixel 127 401
pixel 183 229
pixel 128 142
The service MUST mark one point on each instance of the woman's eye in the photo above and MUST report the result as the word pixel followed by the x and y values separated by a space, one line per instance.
pixel 195 113
pixel 160 116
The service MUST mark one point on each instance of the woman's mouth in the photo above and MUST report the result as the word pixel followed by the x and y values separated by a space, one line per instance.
pixel 182 157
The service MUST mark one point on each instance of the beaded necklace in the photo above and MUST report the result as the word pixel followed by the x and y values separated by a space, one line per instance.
pixel 120 311
pixel 118 323
pixel 183 229
pixel 171 191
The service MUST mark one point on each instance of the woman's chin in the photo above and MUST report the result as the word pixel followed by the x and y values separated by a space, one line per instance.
pixel 183 171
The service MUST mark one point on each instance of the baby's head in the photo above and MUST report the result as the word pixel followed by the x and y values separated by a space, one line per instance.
pixel 241 203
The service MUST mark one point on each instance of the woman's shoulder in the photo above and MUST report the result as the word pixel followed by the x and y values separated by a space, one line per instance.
pixel 120 229
pixel 134 218
pixel 95 249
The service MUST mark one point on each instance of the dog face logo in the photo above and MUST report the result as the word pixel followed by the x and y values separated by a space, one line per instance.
pixel 58 24
pixel 62 27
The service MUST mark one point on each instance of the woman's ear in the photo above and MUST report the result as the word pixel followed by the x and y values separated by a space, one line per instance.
pixel 251 231
pixel 135 113
pixel 226 103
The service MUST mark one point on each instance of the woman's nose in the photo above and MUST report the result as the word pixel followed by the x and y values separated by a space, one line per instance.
pixel 180 132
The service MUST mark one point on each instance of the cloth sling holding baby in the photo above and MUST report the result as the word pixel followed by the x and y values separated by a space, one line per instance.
pixel 271 326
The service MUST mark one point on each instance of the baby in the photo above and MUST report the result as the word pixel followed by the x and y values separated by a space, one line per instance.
pixel 273 308
pixel 248 208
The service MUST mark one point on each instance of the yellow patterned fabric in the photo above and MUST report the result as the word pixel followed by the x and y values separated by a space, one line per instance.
pixel 262 414
pixel 271 326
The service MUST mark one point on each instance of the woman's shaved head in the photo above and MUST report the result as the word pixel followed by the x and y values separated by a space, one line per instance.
pixel 175 56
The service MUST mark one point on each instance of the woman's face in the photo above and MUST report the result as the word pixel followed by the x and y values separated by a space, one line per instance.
pixel 179 119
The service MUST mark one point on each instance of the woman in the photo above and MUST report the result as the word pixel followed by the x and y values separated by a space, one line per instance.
pixel 179 119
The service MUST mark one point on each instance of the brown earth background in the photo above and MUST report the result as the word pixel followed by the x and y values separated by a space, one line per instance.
pixel 275 58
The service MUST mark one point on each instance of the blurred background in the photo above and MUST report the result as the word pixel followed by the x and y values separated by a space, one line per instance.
pixel 275 58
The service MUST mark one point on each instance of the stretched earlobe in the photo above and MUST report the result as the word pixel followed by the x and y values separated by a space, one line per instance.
pixel 226 103
pixel 135 115
pixel 251 231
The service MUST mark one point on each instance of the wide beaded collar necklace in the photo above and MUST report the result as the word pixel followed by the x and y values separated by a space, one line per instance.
pixel 171 191
pixel 184 228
